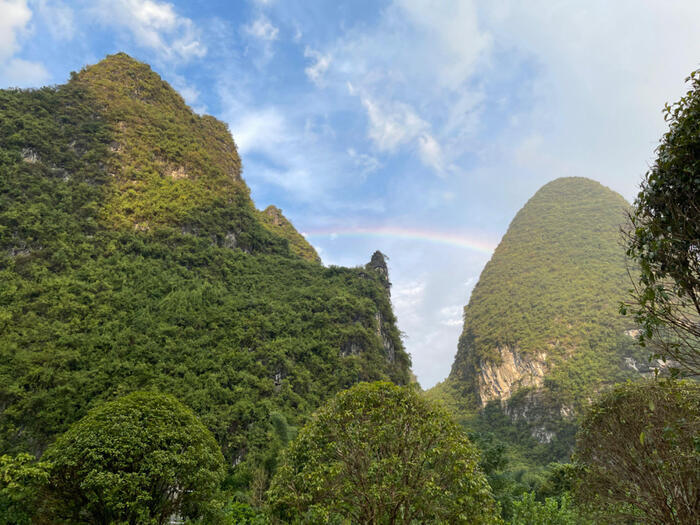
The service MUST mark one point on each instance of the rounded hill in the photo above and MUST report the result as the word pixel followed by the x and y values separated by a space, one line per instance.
pixel 546 304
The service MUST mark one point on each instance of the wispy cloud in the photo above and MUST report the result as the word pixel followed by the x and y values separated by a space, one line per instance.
pixel 14 26
pixel 262 28
pixel 316 70
pixel 14 20
pixel 58 17
pixel 154 25
pixel 366 163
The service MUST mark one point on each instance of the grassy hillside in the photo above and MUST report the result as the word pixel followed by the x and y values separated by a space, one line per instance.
pixel 132 258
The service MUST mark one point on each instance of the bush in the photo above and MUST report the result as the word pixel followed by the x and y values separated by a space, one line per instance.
pixel 379 453
pixel 139 459
pixel 637 453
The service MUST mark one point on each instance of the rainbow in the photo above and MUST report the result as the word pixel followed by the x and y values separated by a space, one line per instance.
pixel 471 242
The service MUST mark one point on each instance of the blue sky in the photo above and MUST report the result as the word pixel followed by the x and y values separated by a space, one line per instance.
pixel 418 128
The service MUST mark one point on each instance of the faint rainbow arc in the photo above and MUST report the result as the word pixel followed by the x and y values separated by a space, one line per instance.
pixel 452 239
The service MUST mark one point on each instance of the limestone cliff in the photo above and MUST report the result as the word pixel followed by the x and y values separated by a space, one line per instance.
pixel 543 317
pixel 499 379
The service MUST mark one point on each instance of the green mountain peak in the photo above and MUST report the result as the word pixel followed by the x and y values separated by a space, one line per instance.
pixel 132 259
pixel 544 313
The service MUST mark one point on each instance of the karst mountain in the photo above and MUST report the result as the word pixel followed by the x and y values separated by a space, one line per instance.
pixel 132 258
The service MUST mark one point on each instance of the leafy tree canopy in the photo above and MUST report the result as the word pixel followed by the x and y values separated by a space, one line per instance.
pixel 637 453
pixel 665 238
pixel 22 481
pixel 379 453
pixel 139 459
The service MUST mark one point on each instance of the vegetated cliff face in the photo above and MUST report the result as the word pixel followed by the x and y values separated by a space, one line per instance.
pixel 132 258
pixel 543 321
pixel 273 219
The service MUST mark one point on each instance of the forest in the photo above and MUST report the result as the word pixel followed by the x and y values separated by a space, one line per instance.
pixel 171 354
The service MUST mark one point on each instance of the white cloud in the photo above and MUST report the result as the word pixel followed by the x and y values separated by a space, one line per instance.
pixel 321 63
pixel 154 25
pixel 13 21
pixel 58 17
pixel 457 42
pixel 366 163
pixel 431 152
pixel 392 124
pixel 597 94
pixel 259 131
pixel 451 315
pixel 411 73
pixel 15 17
pixel 408 296
pixel 262 28
pixel 23 73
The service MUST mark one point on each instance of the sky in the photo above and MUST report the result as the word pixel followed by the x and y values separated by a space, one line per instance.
pixel 414 127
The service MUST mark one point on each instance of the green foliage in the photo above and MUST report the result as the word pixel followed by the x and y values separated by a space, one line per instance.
pixel 93 307
pixel 638 455
pixel 22 482
pixel 168 166
pixel 665 239
pixel 529 511
pixel 138 459
pixel 379 453
pixel 553 285
pixel 273 219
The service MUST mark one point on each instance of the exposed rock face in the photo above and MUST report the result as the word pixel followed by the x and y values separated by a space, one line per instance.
pixel 378 264
pixel 499 380
pixel 387 343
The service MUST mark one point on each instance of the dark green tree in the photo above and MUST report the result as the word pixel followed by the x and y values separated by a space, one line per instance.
pixel 637 454
pixel 379 453
pixel 664 238
pixel 139 459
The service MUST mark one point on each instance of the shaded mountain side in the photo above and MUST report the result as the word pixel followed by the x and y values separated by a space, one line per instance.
pixel 132 258
pixel 542 332
pixel 277 223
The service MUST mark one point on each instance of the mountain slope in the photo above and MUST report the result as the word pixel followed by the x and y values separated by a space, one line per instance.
pixel 132 258
pixel 542 327
pixel 277 223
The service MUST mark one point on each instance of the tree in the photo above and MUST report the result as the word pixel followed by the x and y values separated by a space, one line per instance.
pixel 22 480
pixel 636 453
pixel 138 459
pixel 378 453
pixel 664 238
pixel 529 511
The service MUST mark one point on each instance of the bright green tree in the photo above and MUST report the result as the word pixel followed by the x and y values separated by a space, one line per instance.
pixel 139 459
pixel 22 482
pixel 379 453
pixel 529 511
pixel 664 238
pixel 637 454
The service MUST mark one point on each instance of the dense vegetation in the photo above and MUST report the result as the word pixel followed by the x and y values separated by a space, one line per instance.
pixel 551 295
pixel 117 275
pixel 664 239
pixel 162 341
pixel 139 459
pixel 637 454
pixel 553 285
pixel 273 219
pixel 379 453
